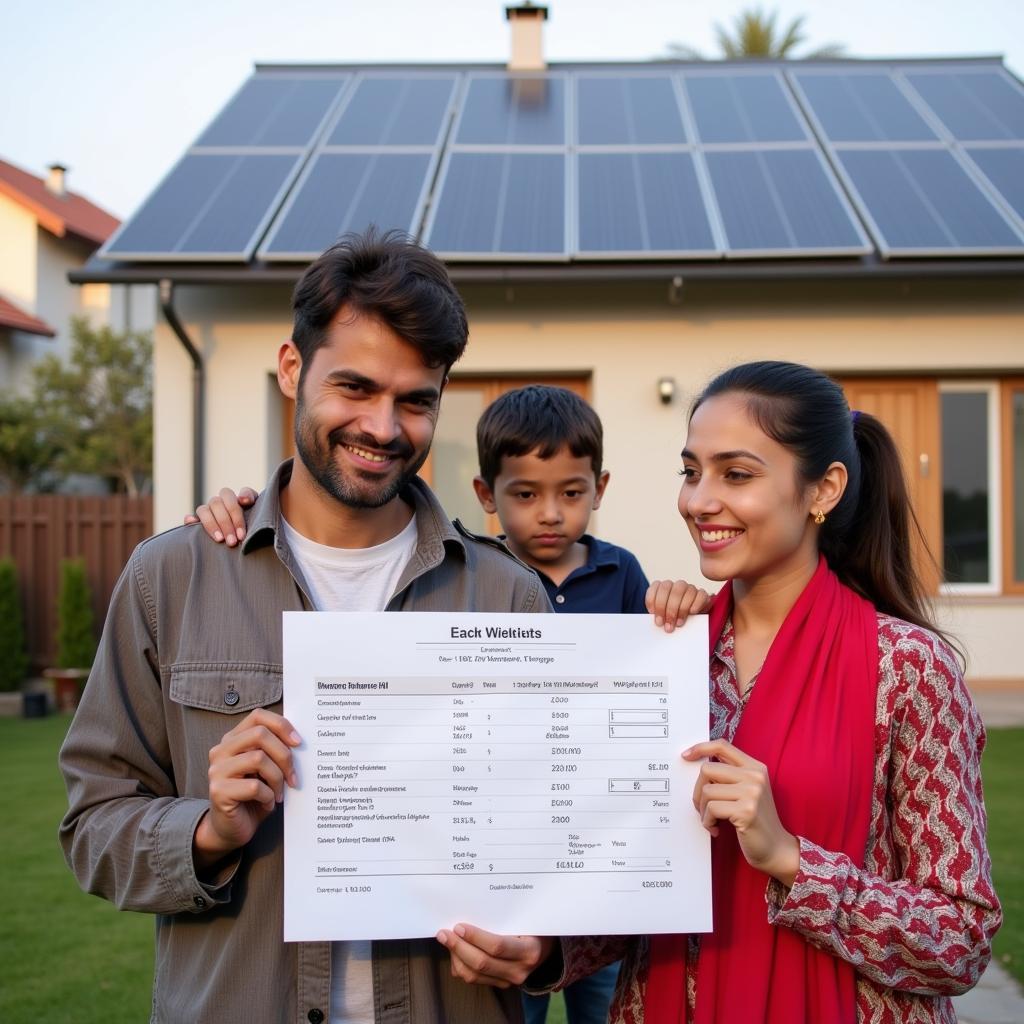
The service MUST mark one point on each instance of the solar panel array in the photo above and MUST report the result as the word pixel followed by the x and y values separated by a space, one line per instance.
pixel 716 162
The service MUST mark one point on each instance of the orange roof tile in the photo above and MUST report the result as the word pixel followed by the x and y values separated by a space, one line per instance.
pixel 18 320
pixel 60 215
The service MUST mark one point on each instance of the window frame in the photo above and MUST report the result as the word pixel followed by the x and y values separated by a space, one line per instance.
pixel 1009 386
pixel 995 469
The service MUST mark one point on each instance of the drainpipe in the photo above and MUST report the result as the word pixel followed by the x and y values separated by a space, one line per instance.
pixel 198 391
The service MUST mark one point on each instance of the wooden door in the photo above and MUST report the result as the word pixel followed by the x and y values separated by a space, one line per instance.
pixel 909 408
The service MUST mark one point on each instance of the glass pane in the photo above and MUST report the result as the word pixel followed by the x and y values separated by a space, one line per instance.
pixel 863 108
pixel 965 487
pixel 527 111
pixel 620 111
pixel 641 202
pixel 982 105
pixel 349 192
pixel 742 108
pixel 1005 169
pixel 779 199
pixel 923 199
pixel 394 112
pixel 454 454
pixel 1017 440
pixel 273 111
pixel 502 202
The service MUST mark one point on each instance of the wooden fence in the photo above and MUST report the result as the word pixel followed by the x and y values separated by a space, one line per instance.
pixel 37 531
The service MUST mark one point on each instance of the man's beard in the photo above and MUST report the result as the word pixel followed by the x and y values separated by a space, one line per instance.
pixel 352 489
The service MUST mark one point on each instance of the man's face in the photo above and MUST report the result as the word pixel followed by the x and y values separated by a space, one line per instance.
pixel 366 408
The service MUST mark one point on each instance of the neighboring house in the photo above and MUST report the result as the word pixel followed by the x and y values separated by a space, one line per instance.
pixel 628 229
pixel 46 232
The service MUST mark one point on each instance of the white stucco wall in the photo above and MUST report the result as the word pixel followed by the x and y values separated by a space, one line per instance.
pixel 626 338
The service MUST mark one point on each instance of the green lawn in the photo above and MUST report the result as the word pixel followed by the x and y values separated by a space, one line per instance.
pixel 68 957
pixel 1003 773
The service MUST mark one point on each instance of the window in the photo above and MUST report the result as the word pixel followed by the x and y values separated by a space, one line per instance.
pixel 1013 485
pixel 970 486
pixel 962 447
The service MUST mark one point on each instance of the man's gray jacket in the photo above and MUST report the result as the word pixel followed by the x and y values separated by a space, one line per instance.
pixel 192 643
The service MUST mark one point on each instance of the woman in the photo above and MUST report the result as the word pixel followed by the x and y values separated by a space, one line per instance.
pixel 842 782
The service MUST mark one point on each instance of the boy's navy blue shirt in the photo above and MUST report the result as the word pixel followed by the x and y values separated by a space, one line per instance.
pixel 611 580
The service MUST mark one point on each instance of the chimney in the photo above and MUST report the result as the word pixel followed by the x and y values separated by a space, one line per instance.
pixel 527 36
pixel 55 179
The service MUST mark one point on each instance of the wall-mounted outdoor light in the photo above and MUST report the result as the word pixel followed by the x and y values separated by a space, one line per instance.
pixel 666 389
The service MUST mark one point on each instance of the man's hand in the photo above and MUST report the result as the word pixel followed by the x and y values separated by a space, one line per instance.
pixel 671 601
pixel 484 958
pixel 249 769
pixel 222 516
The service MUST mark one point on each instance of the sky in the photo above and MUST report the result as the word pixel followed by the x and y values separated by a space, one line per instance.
pixel 117 90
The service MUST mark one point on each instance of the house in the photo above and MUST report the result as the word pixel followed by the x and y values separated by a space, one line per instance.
pixel 46 231
pixel 628 229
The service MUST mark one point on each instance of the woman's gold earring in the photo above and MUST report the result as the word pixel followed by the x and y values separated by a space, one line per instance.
pixel 819 517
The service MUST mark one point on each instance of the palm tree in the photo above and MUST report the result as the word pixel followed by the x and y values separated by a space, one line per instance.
pixel 755 34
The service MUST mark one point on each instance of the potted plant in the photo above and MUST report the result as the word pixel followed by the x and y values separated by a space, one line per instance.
pixel 76 641
pixel 13 657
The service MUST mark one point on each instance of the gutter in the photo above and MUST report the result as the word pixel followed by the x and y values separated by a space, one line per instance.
pixel 198 390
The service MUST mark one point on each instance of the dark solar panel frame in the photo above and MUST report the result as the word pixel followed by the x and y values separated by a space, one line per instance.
pixel 943 142
pixel 455 148
pixel 300 152
pixel 413 228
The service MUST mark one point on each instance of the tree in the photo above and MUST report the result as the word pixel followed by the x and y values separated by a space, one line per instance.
pixel 755 35
pixel 100 405
pixel 27 447
pixel 76 641
pixel 13 659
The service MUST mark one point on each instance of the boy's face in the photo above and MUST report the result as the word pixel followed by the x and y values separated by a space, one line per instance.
pixel 544 505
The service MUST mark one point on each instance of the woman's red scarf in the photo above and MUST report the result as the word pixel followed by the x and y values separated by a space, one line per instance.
pixel 810 720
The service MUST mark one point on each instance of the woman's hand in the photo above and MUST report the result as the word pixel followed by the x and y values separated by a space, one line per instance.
pixel 222 516
pixel 671 601
pixel 484 958
pixel 735 788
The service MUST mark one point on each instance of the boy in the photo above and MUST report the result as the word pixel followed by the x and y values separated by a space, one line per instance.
pixel 540 452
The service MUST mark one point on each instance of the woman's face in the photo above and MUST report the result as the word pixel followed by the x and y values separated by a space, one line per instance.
pixel 741 497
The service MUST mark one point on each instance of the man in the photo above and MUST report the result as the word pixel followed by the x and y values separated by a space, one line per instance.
pixel 178 757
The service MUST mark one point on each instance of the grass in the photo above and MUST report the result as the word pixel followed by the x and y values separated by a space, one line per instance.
pixel 64 956
pixel 68 957
pixel 1003 773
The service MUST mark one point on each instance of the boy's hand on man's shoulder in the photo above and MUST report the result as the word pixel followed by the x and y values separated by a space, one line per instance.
pixel 671 602
pixel 222 517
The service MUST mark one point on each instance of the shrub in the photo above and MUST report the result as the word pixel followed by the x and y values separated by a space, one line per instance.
pixel 13 658
pixel 76 642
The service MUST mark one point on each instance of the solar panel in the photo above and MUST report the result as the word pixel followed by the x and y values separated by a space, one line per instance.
pixel 398 111
pixel 620 110
pixel 781 201
pixel 513 110
pixel 1004 168
pixel 862 107
pixel 274 110
pixel 742 108
pixel 922 201
pixel 505 203
pixel 643 203
pixel 349 192
pixel 211 207
pixel 974 105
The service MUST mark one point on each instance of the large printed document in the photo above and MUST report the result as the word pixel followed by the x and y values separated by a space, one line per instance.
pixel 520 773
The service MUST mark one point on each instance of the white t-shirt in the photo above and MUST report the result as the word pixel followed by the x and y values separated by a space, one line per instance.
pixel 351 580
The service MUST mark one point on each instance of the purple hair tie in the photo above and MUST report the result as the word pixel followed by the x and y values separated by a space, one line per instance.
pixel 854 414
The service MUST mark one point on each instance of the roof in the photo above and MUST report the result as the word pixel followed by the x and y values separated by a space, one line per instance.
pixel 60 215
pixel 597 171
pixel 15 319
